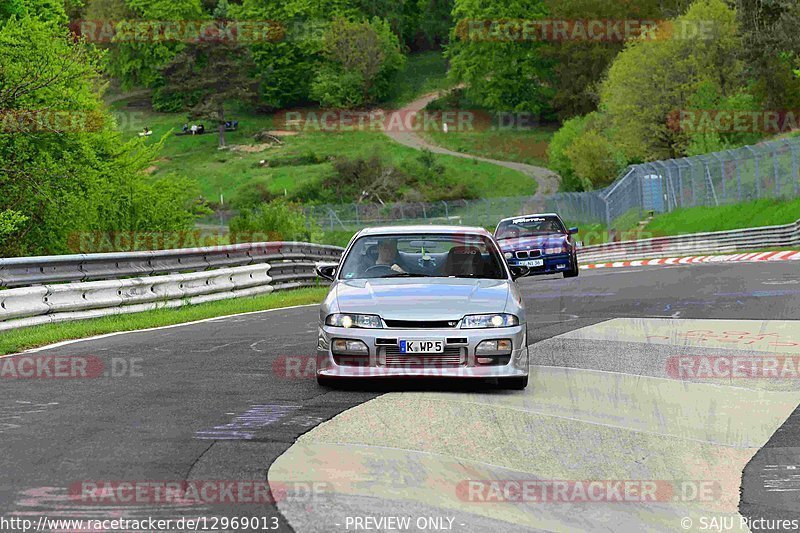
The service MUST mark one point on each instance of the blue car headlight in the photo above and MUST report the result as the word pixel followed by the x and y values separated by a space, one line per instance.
pixel 499 320
pixel 351 320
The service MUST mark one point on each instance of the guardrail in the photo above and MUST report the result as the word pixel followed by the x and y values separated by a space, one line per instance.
pixel 108 284
pixel 22 271
pixel 696 243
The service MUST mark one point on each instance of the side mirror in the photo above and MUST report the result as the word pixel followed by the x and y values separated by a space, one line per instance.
pixel 519 272
pixel 573 231
pixel 327 272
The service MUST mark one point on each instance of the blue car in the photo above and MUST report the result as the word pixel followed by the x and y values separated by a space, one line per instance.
pixel 540 242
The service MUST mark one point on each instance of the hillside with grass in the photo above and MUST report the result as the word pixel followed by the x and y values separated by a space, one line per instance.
pixel 291 161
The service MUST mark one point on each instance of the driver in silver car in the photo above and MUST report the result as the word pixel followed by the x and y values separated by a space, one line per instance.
pixel 388 255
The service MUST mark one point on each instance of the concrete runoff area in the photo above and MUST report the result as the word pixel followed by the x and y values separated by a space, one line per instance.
pixel 686 439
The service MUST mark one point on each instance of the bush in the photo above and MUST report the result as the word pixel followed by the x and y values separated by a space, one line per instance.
pixel 362 59
pixel 274 221
pixel 557 153
pixel 337 89
pixel 252 194
pixel 359 179
pixel 430 183
pixel 595 161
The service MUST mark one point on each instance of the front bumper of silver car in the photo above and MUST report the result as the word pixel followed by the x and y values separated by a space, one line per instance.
pixel 459 359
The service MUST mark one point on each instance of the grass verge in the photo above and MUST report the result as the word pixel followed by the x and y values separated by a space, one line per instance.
pixel 423 73
pixel 527 146
pixel 18 340
pixel 727 217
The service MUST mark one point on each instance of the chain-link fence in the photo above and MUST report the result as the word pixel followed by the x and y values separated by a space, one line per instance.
pixel 767 170
pixel 486 212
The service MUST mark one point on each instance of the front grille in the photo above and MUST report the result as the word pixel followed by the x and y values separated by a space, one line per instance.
pixel 525 254
pixel 451 357
pixel 421 324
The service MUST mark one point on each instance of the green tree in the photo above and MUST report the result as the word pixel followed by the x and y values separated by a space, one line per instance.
pixel 557 155
pixel 62 178
pixel 108 10
pixel 652 79
pixel 274 221
pixel 771 49
pixel 363 58
pixel 580 65
pixel 499 73
pixel 11 8
pixel 136 59
pixel 210 76
pixel 288 64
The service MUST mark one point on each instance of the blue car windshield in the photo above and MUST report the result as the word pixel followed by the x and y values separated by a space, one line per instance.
pixel 529 227
pixel 423 255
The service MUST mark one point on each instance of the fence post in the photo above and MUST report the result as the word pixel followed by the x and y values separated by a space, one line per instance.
pixel 757 172
pixel 777 173
pixel 795 177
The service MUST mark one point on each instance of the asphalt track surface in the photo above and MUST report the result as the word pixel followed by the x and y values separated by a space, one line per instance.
pixel 209 401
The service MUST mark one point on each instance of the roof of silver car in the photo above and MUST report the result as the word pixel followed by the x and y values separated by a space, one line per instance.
pixel 406 230
pixel 532 215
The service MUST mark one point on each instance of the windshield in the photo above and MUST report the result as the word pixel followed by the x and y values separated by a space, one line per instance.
pixel 529 227
pixel 423 255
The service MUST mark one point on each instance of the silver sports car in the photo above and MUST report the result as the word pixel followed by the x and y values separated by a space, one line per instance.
pixel 423 301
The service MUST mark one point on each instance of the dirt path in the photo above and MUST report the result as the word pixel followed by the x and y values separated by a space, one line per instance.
pixel 546 179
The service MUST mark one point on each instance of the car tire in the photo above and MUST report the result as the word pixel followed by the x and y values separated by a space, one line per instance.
pixel 574 272
pixel 326 381
pixel 513 383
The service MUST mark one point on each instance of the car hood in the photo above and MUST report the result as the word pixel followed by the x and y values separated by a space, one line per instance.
pixel 422 299
pixel 553 240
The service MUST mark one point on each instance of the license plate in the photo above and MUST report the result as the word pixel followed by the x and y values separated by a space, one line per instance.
pixel 533 263
pixel 421 346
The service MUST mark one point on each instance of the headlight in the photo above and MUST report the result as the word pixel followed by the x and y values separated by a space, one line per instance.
pixel 563 249
pixel 345 320
pixel 508 255
pixel 501 320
